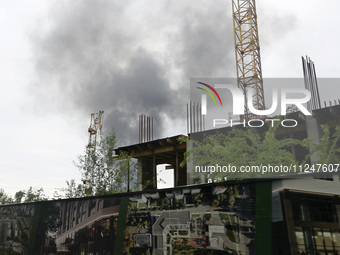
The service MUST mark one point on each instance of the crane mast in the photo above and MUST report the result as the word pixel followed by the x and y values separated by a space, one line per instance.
pixel 95 128
pixel 94 139
pixel 247 51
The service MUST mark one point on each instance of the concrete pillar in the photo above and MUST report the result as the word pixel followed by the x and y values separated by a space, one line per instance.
pixel 176 174
pixel 190 165
pixel 139 176
pixel 154 170
pixel 313 131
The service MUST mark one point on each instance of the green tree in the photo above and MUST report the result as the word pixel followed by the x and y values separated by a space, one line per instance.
pixel 215 203
pixel 4 197
pixel 104 172
pixel 30 195
pixel 165 203
pixel 19 195
pixel 328 150
pixel 33 195
pixel 198 199
pixel 243 148
pixel 73 190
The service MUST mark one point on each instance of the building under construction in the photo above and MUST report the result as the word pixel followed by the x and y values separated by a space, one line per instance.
pixel 300 221
pixel 170 150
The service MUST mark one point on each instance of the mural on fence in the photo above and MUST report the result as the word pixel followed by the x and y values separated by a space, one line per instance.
pixel 196 220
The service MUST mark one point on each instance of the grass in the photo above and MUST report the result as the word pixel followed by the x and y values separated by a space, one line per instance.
pixel 143 205
pixel 229 227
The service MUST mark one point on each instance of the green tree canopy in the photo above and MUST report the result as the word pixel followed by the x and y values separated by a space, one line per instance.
pixel 4 197
pixel 31 195
pixel 243 147
pixel 102 171
pixel 328 150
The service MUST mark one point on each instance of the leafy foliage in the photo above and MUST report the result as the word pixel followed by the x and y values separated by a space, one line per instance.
pixel 243 148
pixel 4 197
pixel 19 195
pixel 34 195
pixel 328 150
pixel 73 190
pixel 31 195
pixel 104 174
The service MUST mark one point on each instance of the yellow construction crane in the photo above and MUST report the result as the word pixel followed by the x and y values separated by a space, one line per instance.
pixel 247 51
pixel 94 132
pixel 95 129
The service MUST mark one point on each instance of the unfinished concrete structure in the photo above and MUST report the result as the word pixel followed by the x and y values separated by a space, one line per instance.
pixel 161 151
pixel 171 151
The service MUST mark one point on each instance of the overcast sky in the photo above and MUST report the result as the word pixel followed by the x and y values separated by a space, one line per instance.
pixel 62 60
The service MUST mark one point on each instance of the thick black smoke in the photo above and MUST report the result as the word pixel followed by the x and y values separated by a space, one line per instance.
pixel 129 58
